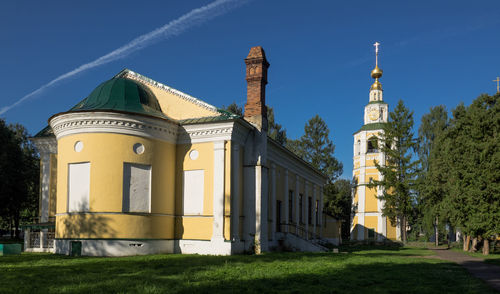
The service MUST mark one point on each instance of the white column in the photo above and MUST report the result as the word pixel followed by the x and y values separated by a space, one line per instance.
pixel 306 207
pixel 314 209
pixel 261 200
pixel 43 234
pixel 320 218
pixel 297 206
pixel 45 187
pixel 27 238
pixel 285 197
pixel 235 192
pixel 218 223
pixel 273 202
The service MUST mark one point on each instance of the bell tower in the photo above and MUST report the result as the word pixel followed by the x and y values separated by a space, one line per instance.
pixel 368 222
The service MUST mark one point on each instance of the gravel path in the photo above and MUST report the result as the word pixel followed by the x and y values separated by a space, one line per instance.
pixel 490 273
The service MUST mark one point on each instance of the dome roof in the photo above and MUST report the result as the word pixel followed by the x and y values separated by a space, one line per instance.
pixel 121 94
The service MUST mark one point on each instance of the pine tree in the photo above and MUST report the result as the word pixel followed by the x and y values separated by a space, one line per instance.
pixel 400 169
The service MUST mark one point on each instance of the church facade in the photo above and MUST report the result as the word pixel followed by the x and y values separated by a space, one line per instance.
pixel 138 167
pixel 368 222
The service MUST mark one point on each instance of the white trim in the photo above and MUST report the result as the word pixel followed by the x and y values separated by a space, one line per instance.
pixel 112 122
pixel 273 202
pixel 286 200
pixel 218 200
pixel 116 247
pixel 45 144
pixel 209 132
pixel 235 191
pixel 205 247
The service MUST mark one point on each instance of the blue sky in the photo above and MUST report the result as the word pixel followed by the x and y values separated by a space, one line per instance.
pixel 321 55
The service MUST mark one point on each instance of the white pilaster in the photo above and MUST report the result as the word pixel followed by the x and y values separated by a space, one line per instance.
pixel 314 210
pixel 218 223
pixel 297 206
pixel 321 212
pixel 45 187
pixel 285 219
pixel 273 202
pixel 306 208
pixel 235 192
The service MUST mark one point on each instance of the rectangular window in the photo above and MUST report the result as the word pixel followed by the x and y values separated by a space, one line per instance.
pixel 290 206
pixel 136 187
pixel 193 192
pixel 78 186
pixel 301 209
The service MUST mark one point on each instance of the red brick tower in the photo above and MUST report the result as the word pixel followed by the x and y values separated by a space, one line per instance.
pixel 255 108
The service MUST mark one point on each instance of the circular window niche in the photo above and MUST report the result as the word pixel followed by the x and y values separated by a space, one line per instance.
pixel 138 148
pixel 78 146
pixel 194 154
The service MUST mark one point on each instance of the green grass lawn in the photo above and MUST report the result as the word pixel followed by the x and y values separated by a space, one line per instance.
pixel 361 270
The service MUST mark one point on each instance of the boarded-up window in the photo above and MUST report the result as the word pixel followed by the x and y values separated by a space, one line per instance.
pixel 136 187
pixel 78 186
pixel 193 192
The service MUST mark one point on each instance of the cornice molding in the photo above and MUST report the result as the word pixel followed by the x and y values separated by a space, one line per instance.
pixel 209 132
pixel 111 122
pixel 138 77
pixel 45 145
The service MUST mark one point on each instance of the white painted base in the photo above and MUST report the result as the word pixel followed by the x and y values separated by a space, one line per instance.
pixel 144 247
pixel 117 247
pixel 213 247
pixel 40 250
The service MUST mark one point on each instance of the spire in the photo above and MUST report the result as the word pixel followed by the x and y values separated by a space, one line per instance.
pixel 376 88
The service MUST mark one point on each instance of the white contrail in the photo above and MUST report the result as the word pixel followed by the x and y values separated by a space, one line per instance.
pixel 175 27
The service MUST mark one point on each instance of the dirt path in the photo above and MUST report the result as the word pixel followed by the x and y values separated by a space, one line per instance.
pixel 490 273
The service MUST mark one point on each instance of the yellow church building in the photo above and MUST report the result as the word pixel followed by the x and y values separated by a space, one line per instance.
pixel 138 167
pixel 368 222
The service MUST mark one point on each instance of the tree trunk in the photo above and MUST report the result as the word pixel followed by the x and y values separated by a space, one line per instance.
pixel 403 229
pixel 486 246
pixel 466 242
pixel 474 245
pixel 16 225
pixel 436 231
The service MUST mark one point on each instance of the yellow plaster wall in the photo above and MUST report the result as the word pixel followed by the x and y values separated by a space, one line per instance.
pixel 371 222
pixel 391 230
pixel 107 154
pixel 194 228
pixel 114 226
pixel 371 201
pixel 332 228
pixel 178 108
pixel 199 228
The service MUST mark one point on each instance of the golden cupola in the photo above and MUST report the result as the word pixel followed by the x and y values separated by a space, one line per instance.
pixel 376 72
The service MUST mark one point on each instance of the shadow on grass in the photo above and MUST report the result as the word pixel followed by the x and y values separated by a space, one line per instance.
pixel 268 273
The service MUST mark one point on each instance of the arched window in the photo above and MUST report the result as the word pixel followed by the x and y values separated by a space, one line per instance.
pixel 372 145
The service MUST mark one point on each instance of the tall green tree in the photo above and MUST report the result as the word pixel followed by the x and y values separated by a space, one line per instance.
pixel 400 169
pixel 316 147
pixel 18 175
pixel 430 182
pixel 473 160
pixel 338 203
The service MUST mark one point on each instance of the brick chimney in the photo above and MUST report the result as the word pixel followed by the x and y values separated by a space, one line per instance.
pixel 255 108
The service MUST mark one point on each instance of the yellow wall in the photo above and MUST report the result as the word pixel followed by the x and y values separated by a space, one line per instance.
pixel 196 227
pixel 114 226
pixel 371 222
pixel 178 108
pixel 107 154
pixel 391 230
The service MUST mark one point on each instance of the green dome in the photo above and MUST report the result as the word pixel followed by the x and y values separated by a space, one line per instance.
pixel 121 94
